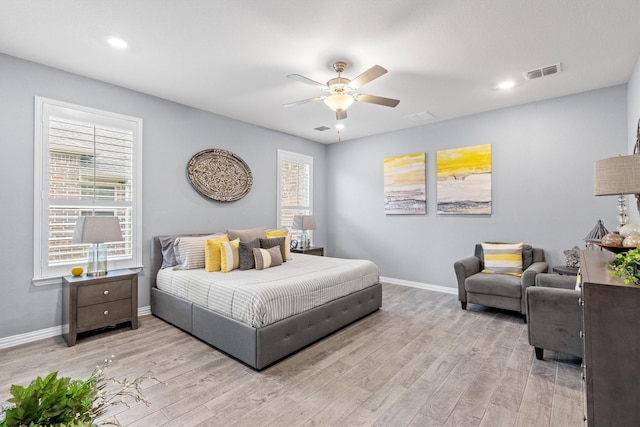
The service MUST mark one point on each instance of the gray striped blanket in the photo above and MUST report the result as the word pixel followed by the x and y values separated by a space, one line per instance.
pixel 261 297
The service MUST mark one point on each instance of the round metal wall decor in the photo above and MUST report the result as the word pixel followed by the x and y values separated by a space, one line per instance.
pixel 219 175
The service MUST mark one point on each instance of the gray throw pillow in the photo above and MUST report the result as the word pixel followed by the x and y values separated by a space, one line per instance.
pixel 273 242
pixel 247 261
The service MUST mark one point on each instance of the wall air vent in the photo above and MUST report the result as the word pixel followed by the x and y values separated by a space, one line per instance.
pixel 542 71
pixel 322 128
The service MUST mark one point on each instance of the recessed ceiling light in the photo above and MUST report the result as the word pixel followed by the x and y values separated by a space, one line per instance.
pixel 117 42
pixel 339 126
pixel 507 84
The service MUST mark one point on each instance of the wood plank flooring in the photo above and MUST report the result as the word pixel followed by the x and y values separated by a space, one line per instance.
pixel 419 361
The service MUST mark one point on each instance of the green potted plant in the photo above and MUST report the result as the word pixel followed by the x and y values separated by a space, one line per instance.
pixel 62 401
pixel 627 266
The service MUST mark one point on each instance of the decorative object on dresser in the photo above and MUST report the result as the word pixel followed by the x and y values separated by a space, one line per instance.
pixel 311 250
pixel 97 230
pixel 506 290
pixel 93 303
pixel 611 343
pixel 304 223
pixel 595 235
pixel 219 175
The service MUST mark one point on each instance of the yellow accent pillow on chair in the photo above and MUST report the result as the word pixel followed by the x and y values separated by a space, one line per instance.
pixel 503 258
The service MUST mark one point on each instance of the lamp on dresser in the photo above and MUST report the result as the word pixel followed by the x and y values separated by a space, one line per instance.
pixel 304 223
pixel 97 230
pixel 618 176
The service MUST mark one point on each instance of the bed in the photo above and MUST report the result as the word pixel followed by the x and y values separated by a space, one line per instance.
pixel 254 335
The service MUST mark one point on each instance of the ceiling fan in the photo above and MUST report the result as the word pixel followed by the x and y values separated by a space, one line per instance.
pixel 342 91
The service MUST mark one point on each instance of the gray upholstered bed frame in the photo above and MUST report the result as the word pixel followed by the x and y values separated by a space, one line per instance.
pixel 259 347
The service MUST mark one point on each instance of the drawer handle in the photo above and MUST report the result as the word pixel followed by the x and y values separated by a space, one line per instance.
pixel 106 292
pixel 581 334
pixel 580 302
pixel 106 312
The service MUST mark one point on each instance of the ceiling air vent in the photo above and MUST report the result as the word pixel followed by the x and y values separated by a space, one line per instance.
pixel 542 72
pixel 322 128
pixel 419 117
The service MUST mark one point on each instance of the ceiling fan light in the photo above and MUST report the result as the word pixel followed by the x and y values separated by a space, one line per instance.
pixel 339 102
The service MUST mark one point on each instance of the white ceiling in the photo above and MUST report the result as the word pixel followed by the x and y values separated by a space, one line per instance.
pixel 231 57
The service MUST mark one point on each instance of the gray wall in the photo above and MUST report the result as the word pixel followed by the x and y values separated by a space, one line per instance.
pixel 543 156
pixel 172 134
pixel 542 185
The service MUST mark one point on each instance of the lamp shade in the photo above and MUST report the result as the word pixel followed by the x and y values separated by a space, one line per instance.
pixel 339 102
pixel 617 175
pixel 304 222
pixel 97 229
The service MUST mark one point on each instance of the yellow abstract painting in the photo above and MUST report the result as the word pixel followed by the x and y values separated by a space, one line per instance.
pixel 405 184
pixel 464 180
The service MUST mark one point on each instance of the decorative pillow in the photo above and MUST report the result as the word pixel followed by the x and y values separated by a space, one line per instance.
pixel 266 258
pixel 246 235
pixel 229 256
pixel 287 243
pixel 212 259
pixel 273 242
pixel 502 258
pixel 189 251
pixel 247 262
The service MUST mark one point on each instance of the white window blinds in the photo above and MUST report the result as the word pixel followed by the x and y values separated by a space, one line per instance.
pixel 295 188
pixel 90 165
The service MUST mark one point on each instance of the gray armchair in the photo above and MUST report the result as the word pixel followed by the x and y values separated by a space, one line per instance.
pixel 555 315
pixel 498 290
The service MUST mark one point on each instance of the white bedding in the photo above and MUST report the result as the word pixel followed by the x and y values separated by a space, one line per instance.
pixel 261 297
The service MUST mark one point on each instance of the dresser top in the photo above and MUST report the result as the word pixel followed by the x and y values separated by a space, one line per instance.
pixel 594 268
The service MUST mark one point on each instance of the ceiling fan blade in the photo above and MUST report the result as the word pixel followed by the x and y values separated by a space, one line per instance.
pixel 369 75
pixel 372 99
pixel 341 114
pixel 308 81
pixel 304 101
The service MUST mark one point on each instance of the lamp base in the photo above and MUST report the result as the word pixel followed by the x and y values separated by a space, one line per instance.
pixel 97 262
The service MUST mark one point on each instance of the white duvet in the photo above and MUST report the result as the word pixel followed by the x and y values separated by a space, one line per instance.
pixel 261 297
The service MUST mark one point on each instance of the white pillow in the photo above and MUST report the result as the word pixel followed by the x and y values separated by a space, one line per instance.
pixel 189 251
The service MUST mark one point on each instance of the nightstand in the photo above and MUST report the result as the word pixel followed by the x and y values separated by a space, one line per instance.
pixel 95 302
pixel 313 250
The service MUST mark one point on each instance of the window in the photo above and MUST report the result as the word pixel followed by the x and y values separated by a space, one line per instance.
pixel 87 162
pixel 295 189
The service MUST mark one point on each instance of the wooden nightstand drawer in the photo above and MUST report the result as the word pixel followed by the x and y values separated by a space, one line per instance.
pixel 319 251
pixel 103 292
pixel 100 315
pixel 95 302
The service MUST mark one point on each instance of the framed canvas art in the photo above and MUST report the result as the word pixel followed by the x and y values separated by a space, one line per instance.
pixel 464 180
pixel 405 184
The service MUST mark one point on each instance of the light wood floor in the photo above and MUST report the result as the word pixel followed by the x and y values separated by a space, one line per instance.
pixel 419 361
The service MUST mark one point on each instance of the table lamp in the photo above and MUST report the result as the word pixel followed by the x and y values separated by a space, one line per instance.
pixel 618 176
pixel 304 223
pixel 97 230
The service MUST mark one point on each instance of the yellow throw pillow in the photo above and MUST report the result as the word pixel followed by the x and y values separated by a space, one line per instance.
pixel 212 259
pixel 287 241
pixel 229 256
pixel 503 258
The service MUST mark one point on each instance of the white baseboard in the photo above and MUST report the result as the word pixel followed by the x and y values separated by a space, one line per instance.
pixel 428 287
pixel 48 333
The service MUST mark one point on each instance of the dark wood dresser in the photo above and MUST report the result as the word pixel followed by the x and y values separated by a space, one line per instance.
pixel 611 332
pixel 95 302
